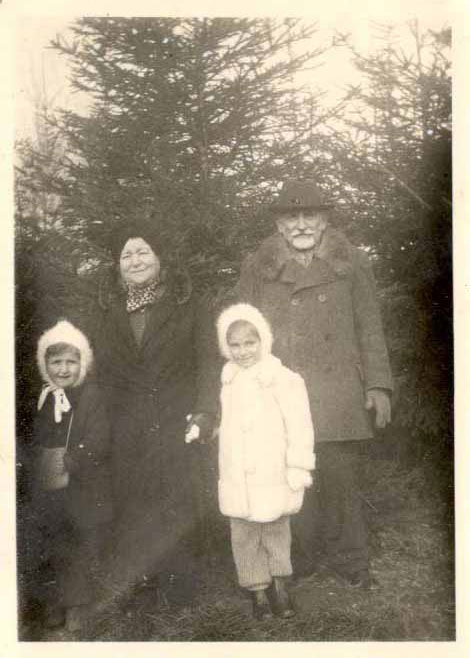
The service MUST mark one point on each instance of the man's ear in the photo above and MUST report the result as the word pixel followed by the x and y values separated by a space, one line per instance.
pixel 325 222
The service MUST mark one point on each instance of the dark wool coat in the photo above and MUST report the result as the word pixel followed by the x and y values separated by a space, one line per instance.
pixel 326 325
pixel 150 390
pixel 88 496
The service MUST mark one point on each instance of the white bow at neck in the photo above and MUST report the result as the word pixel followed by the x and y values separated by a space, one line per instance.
pixel 61 404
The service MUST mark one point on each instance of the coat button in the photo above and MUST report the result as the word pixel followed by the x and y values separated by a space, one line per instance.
pixel 295 301
pixel 322 297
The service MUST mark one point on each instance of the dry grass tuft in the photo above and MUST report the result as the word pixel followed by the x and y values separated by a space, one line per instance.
pixel 410 514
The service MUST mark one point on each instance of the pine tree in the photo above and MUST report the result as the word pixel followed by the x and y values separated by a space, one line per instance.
pixel 185 125
pixel 189 125
pixel 392 164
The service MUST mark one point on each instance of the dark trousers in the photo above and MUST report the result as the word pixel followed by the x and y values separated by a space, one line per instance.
pixel 332 520
pixel 67 555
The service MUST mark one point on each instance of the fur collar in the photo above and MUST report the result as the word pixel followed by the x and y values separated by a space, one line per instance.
pixel 334 249
pixel 264 371
pixel 177 284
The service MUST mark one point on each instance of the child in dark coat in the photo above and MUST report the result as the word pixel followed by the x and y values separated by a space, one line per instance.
pixel 72 475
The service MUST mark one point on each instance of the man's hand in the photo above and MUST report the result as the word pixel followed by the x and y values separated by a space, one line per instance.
pixel 379 399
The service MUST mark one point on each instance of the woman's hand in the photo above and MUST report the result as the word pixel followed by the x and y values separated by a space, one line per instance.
pixel 202 422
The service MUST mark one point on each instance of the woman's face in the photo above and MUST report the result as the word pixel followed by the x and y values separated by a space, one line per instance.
pixel 138 263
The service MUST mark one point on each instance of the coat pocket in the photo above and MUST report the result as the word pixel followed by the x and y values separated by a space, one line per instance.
pixel 269 502
pixel 232 499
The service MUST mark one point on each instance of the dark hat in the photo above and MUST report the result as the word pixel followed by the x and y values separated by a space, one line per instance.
pixel 136 229
pixel 300 195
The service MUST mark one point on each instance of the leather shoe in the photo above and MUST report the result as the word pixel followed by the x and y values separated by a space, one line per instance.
pixel 261 607
pixel 363 580
pixel 281 603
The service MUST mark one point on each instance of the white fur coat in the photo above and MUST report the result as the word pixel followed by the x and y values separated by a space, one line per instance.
pixel 266 429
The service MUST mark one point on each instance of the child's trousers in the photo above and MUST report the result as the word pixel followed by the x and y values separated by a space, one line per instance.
pixel 261 551
pixel 68 555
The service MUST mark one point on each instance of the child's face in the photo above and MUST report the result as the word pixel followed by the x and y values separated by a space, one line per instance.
pixel 244 345
pixel 64 368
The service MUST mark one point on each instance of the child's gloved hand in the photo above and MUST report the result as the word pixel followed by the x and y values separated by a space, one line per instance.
pixel 298 478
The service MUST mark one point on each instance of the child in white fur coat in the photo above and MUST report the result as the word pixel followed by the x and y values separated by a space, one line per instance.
pixel 266 453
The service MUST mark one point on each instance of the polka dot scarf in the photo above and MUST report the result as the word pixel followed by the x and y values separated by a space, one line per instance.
pixel 138 298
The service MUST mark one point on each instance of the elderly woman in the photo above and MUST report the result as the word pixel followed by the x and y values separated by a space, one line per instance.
pixel 154 364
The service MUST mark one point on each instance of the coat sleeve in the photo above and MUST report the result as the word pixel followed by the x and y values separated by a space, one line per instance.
pixel 208 361
pixel 94 445
pixel 368 325
pixel 295 408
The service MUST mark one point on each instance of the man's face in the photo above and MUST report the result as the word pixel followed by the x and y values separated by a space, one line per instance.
pixel 302 229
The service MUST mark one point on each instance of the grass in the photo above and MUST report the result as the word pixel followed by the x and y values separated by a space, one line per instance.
pixel 410 516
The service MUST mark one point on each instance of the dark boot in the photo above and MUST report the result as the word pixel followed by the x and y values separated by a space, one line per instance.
pixel 362 580
pixel 261 607
pixel 281 603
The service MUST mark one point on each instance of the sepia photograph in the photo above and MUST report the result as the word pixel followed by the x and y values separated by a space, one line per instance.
pixel 234 324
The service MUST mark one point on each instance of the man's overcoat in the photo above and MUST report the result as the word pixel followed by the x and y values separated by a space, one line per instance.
pixel 327 327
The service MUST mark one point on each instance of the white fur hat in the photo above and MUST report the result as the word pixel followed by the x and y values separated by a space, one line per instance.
pixel 249 314
pixel 65 332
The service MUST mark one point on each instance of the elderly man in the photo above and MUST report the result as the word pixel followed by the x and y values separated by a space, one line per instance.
pixel 318 292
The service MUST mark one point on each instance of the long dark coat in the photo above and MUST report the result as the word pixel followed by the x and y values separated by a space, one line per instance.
pixel 88 496
pixel 150 390
pixel 71 524
pixel 326 325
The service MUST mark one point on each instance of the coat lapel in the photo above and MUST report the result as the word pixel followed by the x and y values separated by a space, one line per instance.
pixel 123 327
pixel 316 274
pixel 159 313
pixel 332 261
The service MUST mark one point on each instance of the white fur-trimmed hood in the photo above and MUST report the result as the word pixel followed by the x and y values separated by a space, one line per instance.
pixel 65 332
pixel 250 314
